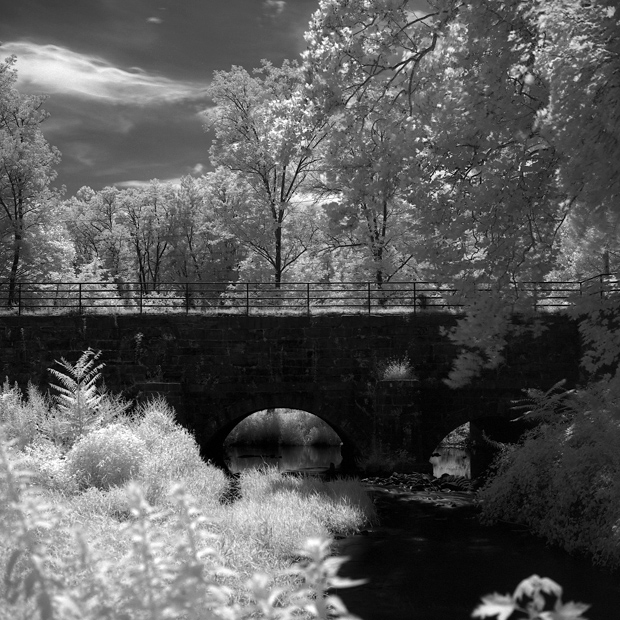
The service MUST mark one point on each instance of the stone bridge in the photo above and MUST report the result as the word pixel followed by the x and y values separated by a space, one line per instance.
pixel 216 370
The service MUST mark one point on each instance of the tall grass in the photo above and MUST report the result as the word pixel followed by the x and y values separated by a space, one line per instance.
pixel 284 427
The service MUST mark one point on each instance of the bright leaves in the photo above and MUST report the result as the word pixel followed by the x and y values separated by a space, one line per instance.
pixel 535 598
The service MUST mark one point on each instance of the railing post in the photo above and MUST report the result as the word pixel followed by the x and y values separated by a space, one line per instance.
pixel 369 303
pixel 140 298
pixel 79 298
pixel 247 299
pixel 415 297
pixel 19 299
pixel 308 297
pixel 187 298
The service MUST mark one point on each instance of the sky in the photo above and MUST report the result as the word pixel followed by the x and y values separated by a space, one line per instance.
pixel 126 79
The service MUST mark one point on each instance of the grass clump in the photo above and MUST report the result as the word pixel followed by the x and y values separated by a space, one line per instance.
pixel 396 369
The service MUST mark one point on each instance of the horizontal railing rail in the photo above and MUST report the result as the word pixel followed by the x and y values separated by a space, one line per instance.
pixel 298 297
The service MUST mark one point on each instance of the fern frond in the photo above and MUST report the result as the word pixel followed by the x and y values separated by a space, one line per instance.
pixel 77 396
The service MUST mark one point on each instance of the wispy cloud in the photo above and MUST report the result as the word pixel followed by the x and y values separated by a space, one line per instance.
pixel 155 20
pixel 134 183
pixel 54 69
pixel 274 7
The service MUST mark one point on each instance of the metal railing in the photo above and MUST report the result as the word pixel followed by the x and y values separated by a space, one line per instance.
pixel 290 297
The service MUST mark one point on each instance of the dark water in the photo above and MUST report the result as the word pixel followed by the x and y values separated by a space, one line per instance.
pixel 451 461
pixel 311 459
pixel 431 559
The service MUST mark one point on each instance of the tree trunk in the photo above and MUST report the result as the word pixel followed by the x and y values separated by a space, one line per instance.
pixel 278 256
pixel 14 266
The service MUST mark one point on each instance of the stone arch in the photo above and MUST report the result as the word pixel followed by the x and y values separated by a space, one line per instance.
pixel 212 447
pixel 497 428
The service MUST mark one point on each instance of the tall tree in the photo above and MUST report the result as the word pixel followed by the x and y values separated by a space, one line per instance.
pixel 149 218
pixel 26 167
pixel 203 249
pixel 97 233
pixel 266 136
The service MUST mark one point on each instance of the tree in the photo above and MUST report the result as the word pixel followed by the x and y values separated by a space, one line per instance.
pixel 97 233
pixel 26 167
pixel 203 250
pixel 368 216
pixel 268 140
pixel 467 155
pixel 148 215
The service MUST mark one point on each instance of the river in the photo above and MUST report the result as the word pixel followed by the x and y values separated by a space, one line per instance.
pixel 431 559
pixel 308 459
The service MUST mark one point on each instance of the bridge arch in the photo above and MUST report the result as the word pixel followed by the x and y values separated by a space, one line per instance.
pixel 213 448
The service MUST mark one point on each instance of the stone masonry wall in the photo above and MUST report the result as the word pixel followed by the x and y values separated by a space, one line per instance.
pixel 216 370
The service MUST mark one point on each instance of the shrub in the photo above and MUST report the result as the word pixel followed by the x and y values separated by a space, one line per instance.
pixel 23 420
pixel 563 481
pixel 106 457
pixel 48 466
pixel 172 454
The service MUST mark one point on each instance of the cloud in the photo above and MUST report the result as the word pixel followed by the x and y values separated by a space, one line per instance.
pixel 155 20
pixel 135 183
pixel 198 169
pixel 58 70
pixel 275 7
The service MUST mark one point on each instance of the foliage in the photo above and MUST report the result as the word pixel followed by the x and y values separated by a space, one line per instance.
pixel 266 150
pixel 562 481
pixel 19 420
pixel 78 398
pixel 153 234
pixel 174 561
pixel 288 427
pixel 172 454
pixel 531 599
pixel 106 457
pixel 27 163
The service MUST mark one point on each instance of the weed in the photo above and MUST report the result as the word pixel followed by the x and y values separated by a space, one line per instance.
pixel 396 369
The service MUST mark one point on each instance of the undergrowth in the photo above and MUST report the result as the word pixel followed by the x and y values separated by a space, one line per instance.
pixel 563 479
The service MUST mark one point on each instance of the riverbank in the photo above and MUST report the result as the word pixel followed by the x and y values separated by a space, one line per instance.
pixel 432 559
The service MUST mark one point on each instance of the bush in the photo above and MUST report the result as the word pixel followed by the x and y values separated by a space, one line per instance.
pixel 172 454
pixel 22 419
pixel 563 482
pixel 106 457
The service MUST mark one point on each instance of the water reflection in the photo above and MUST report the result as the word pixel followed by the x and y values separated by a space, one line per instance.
pixel 310 459
pixel 451 461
